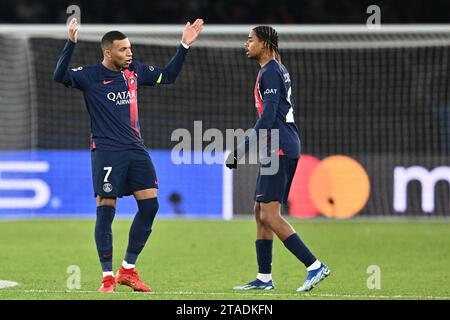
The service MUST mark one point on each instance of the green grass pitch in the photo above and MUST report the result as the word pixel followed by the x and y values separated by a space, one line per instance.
pixel 192 259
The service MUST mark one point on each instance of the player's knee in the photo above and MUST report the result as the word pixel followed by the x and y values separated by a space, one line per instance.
pixel 267 215
pixel 148 209
pixel 265 219
pixel 259 222
pixel 146 194
pixel 105 217
pixel 106 201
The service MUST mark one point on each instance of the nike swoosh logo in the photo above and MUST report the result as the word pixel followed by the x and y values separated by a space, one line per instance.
pixel 259 195
pixel 106 82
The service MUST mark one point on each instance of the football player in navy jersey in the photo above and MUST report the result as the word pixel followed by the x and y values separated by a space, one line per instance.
pixel 121 165
pixel 275 111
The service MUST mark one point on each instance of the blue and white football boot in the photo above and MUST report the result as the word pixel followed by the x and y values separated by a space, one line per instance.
pixel 256 285
pixel 314 277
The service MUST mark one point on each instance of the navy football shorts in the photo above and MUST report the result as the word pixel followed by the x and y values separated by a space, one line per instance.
pixel 276 187
pixel 120 173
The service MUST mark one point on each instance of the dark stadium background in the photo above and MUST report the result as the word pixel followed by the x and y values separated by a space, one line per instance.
pixel 410 96
pixel 226 11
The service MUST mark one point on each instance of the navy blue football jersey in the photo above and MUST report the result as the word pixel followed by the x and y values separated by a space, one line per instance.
pixel 273 101
pixel 111 97
pixel 112 102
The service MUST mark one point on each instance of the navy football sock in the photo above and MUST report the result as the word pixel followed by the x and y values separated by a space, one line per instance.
pixel 141 228
pixel 264 255
pixel 103 236
pixel 299 249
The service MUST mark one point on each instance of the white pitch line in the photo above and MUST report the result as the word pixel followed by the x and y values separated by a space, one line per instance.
pixel 244 294
pixel 377 296
pixel 7 284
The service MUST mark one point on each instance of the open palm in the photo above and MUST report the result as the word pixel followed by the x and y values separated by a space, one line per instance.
pixel 191 31
pixel 73 30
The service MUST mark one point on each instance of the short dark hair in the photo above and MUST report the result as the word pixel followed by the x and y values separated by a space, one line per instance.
pixel 109 38
pixel 269 36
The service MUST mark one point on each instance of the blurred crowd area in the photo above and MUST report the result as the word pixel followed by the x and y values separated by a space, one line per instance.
pixel 225 11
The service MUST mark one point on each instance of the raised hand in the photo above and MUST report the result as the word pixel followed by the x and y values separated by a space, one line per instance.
pixel 191 31
pixel 73 30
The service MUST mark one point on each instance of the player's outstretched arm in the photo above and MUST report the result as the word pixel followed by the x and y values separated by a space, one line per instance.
pixel 190 33
pixel 61 73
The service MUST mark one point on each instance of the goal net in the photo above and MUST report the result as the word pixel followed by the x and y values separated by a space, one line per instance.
pixel 372 108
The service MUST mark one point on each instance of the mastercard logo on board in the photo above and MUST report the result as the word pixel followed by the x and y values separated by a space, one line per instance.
pixel 336 186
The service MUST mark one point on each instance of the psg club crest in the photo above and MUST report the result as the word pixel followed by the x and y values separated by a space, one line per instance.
pixel 107 187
